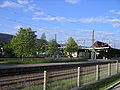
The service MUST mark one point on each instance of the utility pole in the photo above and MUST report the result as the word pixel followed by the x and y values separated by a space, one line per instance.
pixel 55 37
pixel 93 56
pixel 84 43
pixel 56 52
pixel 93 37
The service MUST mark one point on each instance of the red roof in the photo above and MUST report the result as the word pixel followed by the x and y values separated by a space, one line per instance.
pixel 100 44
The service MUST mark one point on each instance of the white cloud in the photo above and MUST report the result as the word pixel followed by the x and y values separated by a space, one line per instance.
pixel 46 18
pixel 84 20
pixel 115 12
pixel 83 31
pixel 44 29
pixel 17 27
pixel 116 25
pixel 99 20
pixel 31 8
pixel 104 33
pixel 1 25
pixel 113 20
pixel 57 18
pixel 23 2
pixel 39 13
pixel 9 4
pixel 63 19
pixel 72 1
pixel 19 3
pixel 92 20
pixel 26 4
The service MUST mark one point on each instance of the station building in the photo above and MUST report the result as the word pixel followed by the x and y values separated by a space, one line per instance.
pixel 99 50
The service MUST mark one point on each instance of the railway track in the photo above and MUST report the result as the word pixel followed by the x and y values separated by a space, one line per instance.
pixel 26 80
pixel 21 79
pixel 30 79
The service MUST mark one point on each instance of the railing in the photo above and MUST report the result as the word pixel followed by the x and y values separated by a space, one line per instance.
pixel 63 78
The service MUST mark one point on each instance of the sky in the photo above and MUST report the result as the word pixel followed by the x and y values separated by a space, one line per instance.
pixel 65 18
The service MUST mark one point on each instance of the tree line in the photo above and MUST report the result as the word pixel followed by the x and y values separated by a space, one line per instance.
pixel 26 44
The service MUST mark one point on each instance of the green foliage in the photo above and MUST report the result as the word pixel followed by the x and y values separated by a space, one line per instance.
pixel 24 43
pixel 103 84
pixel 71 46
pixel 6 50
pixel 1 48
pixel 41 45
pixel 2 44
pixel 52 48
pixel 66 84
pixel 43 36
pixel 42 61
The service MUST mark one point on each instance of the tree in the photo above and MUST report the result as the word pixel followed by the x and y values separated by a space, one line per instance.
pixel 71 46
pixel 43 36
pixel 52 48
pixel 7 50
pixel 24 43
pixel 41 46
pixel 1 48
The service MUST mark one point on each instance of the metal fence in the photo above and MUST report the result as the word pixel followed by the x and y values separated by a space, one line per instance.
pixel 63 78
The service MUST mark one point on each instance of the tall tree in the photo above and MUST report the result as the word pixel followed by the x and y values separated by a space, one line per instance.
pixel 71 46
pixel 52 48
pixel 43 36
pixel 41 45
pixel 24 43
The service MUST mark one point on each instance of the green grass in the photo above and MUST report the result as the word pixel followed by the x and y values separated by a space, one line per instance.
pixel 63 84
pixel 42 61
pixel 72 83
pixel 103 84
pixel 56 85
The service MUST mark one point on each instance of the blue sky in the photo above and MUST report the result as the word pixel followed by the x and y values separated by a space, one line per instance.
pixel 65 18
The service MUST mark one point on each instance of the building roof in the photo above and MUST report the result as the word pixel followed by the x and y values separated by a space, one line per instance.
pixel 99 44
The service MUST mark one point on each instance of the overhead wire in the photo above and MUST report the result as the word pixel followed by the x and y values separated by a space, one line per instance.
pixel 36 26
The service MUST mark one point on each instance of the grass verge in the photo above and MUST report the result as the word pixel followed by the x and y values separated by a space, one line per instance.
pixel 103 84
pixel 42 61
pixel 56 85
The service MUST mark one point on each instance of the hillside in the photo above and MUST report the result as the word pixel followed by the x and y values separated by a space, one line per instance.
pixel 5 37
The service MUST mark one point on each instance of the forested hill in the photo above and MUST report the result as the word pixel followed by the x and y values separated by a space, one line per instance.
pixel 5 37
